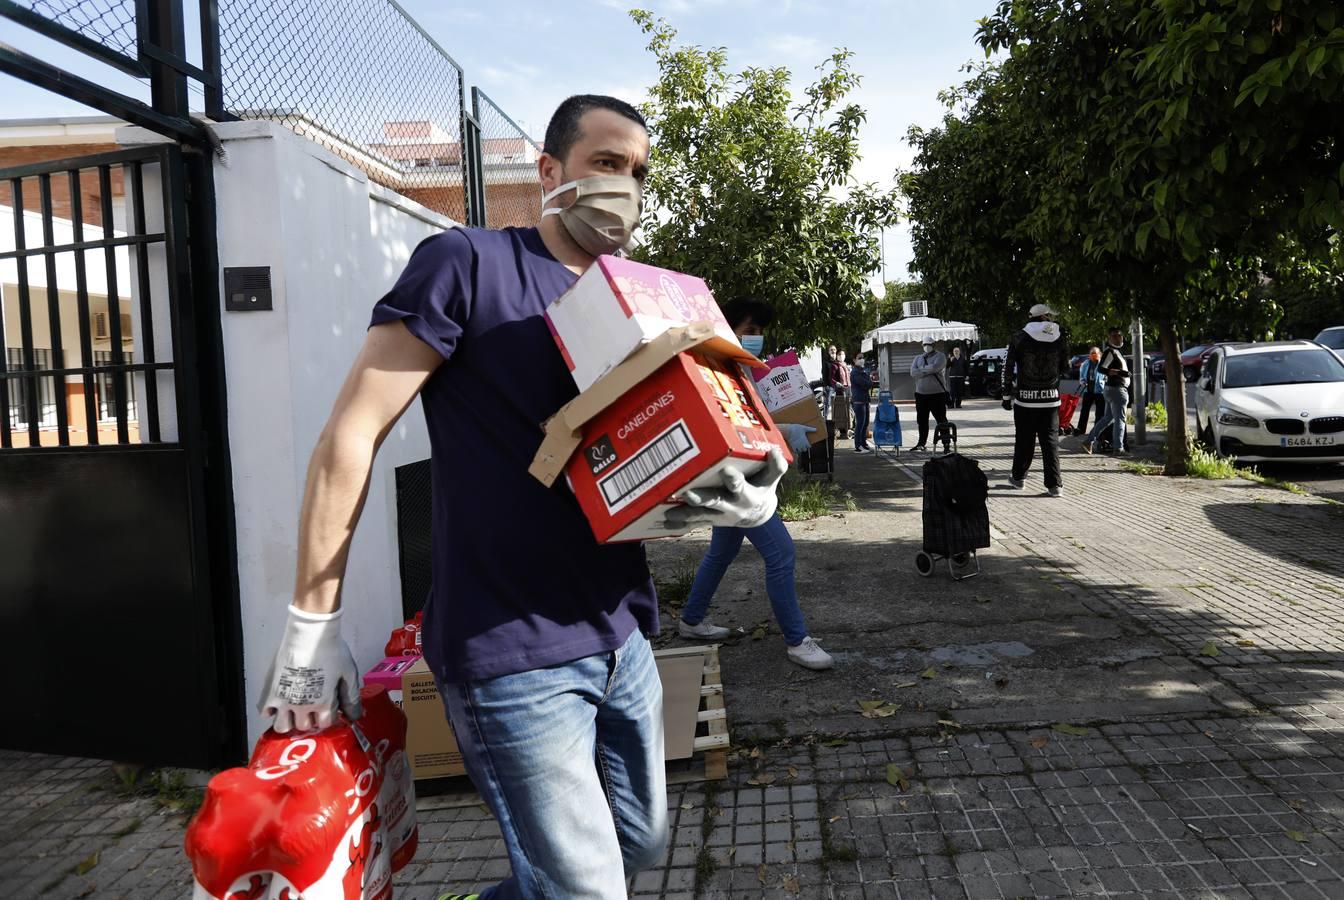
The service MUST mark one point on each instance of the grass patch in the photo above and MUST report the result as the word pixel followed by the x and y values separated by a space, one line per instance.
pixel 1139 468
pixel 705 864
pixel 673 588
pixel 169 789
pixel 1201 462
pixel 801 499
pixel 1156 415
pixel 1254 474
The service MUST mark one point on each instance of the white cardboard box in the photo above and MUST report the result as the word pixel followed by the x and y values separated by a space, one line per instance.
pixel 619 305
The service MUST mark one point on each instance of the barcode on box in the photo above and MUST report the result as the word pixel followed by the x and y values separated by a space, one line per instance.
pixel 642 472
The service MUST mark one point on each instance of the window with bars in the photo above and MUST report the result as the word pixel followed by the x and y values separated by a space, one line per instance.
pixel 105 383
pixel 20 413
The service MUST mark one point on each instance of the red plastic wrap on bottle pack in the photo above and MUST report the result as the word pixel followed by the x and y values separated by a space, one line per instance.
pixel 405 641
pixel 325 815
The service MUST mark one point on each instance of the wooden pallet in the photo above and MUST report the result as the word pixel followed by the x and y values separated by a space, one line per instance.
pixel 710 762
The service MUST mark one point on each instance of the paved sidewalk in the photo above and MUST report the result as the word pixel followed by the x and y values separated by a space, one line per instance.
pixel 1059 726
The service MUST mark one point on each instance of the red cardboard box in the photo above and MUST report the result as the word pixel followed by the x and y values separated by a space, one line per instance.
pixel 676 415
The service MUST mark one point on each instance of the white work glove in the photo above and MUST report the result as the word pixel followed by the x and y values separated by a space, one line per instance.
pixel 741 503
pixel 796 436
pixel 313 672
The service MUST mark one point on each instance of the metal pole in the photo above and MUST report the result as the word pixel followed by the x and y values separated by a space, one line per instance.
pixel 1139 386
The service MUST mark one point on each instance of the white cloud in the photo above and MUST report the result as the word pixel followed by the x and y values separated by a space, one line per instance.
pixel 794 48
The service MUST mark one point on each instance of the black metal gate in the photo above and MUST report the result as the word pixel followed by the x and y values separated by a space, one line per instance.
pixel 118 599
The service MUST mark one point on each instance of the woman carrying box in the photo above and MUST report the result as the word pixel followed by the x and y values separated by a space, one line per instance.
pixel 749 319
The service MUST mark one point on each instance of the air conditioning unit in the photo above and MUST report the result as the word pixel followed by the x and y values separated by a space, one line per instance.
pixel 102 331
pixel 915 308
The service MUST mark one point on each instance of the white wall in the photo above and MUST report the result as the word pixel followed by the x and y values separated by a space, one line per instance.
pixel 335 243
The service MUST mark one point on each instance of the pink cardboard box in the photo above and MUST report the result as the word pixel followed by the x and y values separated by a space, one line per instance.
pixel 617 306
pixel 388 673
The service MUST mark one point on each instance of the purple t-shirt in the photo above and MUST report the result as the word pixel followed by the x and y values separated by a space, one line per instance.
pixel 519 581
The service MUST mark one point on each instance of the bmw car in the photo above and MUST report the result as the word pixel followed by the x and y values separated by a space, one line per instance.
pixel 1278 401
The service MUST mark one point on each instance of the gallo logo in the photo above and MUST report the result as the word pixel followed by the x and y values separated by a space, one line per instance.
pixel 600 454
pixel 644 415
pixel 676 296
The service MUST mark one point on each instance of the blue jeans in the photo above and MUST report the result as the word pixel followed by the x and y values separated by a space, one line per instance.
pixel 1117 407
pixel 776 548
pixel 860 425
pixel 570 761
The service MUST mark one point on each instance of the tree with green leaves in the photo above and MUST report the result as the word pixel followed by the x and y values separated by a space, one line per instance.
pixel 755 193
pixel 1139 159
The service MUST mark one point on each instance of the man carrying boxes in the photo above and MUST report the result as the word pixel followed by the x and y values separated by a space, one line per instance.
pixel 535 631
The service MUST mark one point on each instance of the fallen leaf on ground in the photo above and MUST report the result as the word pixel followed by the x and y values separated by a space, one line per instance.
pixel 870 704
pixel 86 865
pixel 930 672
pixel 791 884
pixel 793 771
pixel 949 723
pixel 905 804
pixel 1066 728
pixel 758 634
pixel 1245 643
pixel 1297 836
pixel 834 819
pixel 761 873
pixel 763 778
pixel 980 599
pixel 1209 649
pixel 688 806
pixel 755 752
pixel 1039 742
pixel 896 777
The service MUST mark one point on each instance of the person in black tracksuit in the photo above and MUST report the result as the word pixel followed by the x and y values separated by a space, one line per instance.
pixel 1038 356
pixel 956 376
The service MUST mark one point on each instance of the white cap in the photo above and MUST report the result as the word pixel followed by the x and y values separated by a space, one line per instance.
pixel 1040 309
pixel 928 339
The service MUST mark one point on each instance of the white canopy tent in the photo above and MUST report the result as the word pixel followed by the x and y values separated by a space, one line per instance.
pixel 913 329
pixel 896 345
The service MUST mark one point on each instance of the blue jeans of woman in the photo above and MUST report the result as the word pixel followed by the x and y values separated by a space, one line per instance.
pixel 570 761
pixel 776 548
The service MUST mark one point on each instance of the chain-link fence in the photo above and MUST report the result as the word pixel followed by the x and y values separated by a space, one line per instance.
pixel 103 28
pixel 359 77
pixel 508 165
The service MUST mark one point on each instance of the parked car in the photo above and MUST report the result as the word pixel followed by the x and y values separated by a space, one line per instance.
pixel 1274 401
pixel 1332 337
pixel 1076 365
pixel 984 373
pixel 1157 366
pixel 1192 360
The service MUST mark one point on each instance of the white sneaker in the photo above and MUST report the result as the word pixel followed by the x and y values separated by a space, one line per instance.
pixel 702 632
pixel 809 655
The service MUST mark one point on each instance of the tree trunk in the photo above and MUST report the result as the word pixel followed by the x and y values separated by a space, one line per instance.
pixel 1176 418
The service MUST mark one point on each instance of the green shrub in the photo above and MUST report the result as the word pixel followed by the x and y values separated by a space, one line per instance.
pixel 1156 415
pixel 1201 462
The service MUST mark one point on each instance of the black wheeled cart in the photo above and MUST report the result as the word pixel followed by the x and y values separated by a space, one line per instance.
pixel 956 517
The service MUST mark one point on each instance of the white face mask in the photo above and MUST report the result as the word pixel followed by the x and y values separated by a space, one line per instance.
pixel 604 214
pixel 928 348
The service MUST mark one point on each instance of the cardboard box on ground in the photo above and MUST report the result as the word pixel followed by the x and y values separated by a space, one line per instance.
pixel 431 746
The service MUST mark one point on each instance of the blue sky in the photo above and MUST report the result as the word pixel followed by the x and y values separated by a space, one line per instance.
pixel 528 55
